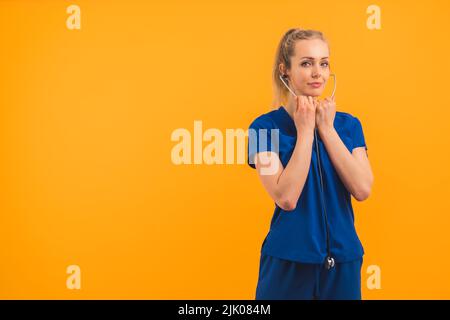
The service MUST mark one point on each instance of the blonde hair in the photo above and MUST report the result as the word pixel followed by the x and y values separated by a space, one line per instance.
pixel 285 50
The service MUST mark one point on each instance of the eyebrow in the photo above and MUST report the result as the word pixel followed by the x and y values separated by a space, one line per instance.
pixel 312 58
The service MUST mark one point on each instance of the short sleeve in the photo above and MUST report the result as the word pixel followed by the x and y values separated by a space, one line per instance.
pixel 262 136
pixel 358 134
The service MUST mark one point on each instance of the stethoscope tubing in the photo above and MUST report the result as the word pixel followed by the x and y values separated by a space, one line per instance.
pixel 329 260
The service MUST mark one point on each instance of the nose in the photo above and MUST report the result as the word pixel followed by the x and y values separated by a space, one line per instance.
pixel 316 73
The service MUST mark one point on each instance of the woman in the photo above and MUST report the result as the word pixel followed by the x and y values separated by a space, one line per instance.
pixel 310 158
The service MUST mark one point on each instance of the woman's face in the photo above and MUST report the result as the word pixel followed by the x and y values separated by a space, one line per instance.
pixel 309 64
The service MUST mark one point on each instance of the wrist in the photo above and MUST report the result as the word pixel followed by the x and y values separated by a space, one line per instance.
pixel 326 131
pixel 307 136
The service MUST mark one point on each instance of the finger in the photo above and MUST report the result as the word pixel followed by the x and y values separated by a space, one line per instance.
pixel 308 102
pixel 317 103
pixel 299 103
pixel 303 98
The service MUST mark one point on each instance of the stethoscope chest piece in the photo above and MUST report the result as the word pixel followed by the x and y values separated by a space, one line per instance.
pixel 329 263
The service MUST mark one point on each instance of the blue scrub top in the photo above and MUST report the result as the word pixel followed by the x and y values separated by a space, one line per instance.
pixel 300 234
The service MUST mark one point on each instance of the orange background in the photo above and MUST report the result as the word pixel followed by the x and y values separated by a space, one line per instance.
pixel 87 115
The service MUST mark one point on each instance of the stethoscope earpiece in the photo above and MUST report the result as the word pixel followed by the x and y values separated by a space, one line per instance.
pixel 287 86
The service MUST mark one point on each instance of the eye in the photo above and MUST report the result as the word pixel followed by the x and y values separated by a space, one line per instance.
pixel 304 63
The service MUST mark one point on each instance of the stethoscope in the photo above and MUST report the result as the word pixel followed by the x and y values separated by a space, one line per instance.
pixel 329 262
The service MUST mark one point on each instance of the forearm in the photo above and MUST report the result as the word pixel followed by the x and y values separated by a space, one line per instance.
pixel 292 180
pixel 352 174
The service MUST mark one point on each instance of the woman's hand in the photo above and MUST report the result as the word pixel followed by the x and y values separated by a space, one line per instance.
pixel 325 114
pixel 305 114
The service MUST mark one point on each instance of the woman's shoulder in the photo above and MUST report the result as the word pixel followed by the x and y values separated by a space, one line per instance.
pixel 265 120
pixel 344 115
pixel 345 119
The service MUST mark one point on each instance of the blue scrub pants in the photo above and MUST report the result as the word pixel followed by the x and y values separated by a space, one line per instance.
pixel 281 279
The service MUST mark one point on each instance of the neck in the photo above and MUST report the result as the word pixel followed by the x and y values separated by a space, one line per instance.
pixel 291 106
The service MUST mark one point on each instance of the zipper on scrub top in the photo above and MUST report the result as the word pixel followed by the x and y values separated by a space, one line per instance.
pixel 329 263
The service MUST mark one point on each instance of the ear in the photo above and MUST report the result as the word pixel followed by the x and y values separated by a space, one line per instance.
pixel 284 71
pixel 281 68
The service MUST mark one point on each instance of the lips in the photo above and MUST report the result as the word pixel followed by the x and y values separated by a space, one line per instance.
pixel 315 84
